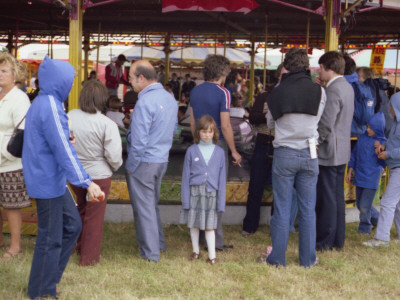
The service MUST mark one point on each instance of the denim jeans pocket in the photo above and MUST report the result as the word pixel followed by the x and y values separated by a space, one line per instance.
pixel 284 165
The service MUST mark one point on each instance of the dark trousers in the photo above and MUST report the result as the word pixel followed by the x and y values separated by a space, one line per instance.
pixel 260 174
pixel 59 227
pixel 92 216
pixel 330 208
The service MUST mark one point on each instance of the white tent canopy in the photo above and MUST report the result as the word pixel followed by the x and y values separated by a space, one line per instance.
pixel 39 51
pixel 191 55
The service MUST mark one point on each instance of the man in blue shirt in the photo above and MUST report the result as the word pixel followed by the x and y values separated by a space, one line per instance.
pixel 149 141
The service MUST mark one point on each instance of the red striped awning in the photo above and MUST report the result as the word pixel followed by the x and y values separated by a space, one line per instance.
pixel 244 6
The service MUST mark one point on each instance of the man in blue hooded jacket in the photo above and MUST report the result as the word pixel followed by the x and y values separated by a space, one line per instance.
pixel 49 160
pixel 390 202
pixel 364 102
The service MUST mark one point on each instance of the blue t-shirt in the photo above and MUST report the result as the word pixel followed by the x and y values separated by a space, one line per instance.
pixel 210 99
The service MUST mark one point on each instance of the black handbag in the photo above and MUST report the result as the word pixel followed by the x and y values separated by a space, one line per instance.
pixel 14 146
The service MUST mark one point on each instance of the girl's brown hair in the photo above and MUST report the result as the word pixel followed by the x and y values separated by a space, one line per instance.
pixel 93 96
pixel 204 123
pixel 114 102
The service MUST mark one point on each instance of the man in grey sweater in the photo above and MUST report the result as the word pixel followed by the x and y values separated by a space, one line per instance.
pixel 295 108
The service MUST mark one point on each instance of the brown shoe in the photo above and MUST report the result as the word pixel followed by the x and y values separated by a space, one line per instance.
pixel 194 256
pixel 212 261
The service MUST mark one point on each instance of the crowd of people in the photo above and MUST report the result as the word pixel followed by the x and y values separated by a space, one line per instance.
pixel 302 149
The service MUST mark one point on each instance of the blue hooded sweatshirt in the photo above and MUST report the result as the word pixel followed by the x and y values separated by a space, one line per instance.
pixel 48 157
pixel 393 143
pixel 364 104
pixel 363 159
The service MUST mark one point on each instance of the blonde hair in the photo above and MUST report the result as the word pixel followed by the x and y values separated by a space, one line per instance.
pixel 18 68
pixel 365 72
pixel 204 123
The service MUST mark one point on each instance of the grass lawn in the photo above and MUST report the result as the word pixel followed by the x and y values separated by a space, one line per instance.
pixel 357 272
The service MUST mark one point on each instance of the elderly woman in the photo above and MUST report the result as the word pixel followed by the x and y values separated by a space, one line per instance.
pixel 13 106
pixel 99 148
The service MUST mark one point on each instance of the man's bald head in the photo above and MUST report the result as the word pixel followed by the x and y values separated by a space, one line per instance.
pixel 145 68
pixel 141 75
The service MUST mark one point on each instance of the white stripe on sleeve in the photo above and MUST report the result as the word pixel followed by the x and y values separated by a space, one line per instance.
pixel 64 139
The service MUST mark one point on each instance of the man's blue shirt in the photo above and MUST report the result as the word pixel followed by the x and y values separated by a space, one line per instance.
pixel 152 127
pixel 210 99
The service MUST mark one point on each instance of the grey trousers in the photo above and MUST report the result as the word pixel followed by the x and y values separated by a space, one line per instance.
pixel 144 191
pixel 390 208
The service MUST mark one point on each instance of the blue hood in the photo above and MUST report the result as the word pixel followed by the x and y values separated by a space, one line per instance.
pixel 377 124
pixel 56 78
pixel 351 78
pixel 395 102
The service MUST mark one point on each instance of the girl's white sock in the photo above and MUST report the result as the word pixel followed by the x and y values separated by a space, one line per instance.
pixel 210 238
pixel 194 234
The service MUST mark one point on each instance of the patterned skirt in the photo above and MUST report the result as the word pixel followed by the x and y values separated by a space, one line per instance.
pixel 12 190
pixel 203 209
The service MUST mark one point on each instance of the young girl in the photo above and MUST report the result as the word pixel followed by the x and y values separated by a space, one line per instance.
pixel 203 186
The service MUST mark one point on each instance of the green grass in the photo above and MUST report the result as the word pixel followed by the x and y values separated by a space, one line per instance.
pixel 356 272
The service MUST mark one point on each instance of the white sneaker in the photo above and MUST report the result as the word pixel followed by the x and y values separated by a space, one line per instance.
pixel 374 243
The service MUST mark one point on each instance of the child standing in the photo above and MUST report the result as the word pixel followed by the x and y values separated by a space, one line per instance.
pixel 203 186
pixel 390 202
pixel 368 169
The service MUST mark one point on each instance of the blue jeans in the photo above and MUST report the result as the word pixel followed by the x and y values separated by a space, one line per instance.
pixel 368 214
pixel 59 226
pixel 293 167
pixel 293 211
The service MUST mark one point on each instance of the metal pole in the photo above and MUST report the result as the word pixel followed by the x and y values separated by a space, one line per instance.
pixel 51 49
pixel 17 30
pixel 308 33
pixel 397 61
pixel 225 43
pixel 167 51
pixel 252 53
pixel 265 52
pixel 98 49
pixel 331 36
pixel 75 52
pixel 141 47
pixel 86 52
